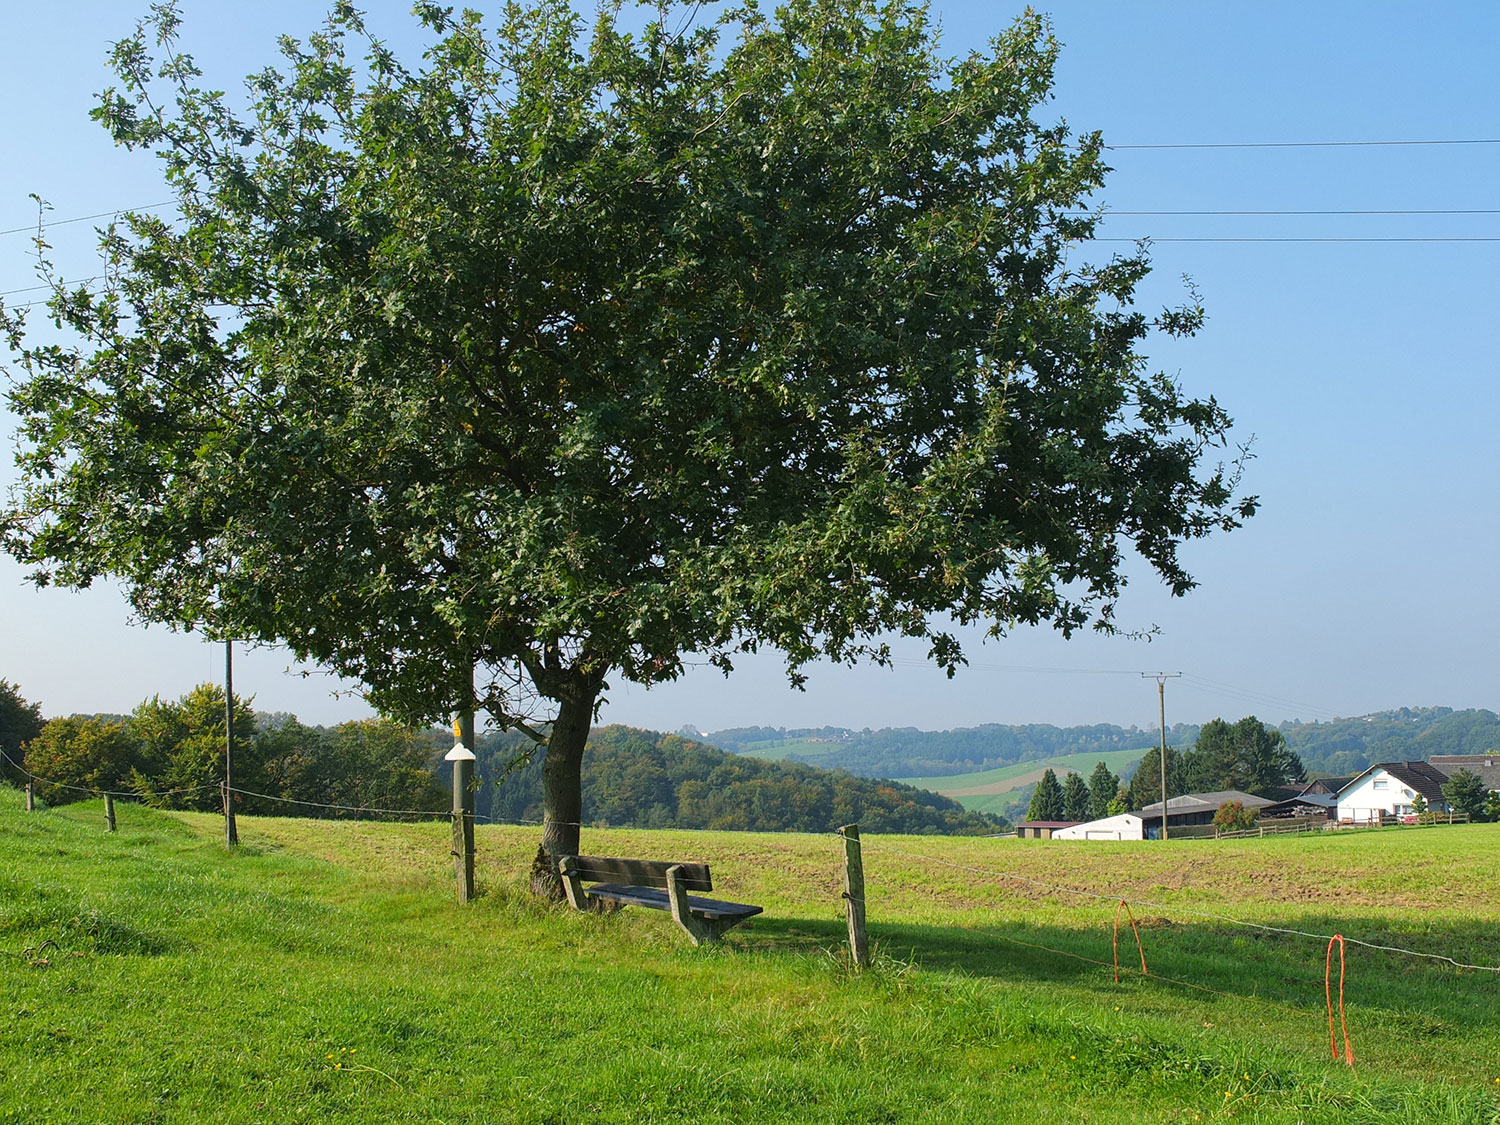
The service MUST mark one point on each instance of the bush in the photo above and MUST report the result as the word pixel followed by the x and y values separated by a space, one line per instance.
pixel 1233 816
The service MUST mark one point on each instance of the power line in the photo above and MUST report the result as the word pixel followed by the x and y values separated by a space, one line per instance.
pixel 85 218
pixel 1311 144
pixel 1391 211
pixel 1154 238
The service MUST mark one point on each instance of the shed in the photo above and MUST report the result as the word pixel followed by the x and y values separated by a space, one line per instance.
pixel 1041 829
pixel 1124 826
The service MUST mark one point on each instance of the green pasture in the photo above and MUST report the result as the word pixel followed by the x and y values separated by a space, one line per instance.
pixel 779 749
pixel 998 793
pixel 324 972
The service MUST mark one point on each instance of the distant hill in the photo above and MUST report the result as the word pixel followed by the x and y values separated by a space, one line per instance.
pixel 1347 746
pixel 645 779
pixel 908 752
pixel 1343 746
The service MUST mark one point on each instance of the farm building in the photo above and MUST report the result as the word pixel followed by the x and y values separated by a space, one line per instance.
pixel 1125 826
pixel 1486 767
pixel 1196 808
pixel 1388 789
pixel 1042 829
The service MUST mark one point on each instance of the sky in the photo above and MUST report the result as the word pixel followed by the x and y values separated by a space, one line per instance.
pixel 1365 371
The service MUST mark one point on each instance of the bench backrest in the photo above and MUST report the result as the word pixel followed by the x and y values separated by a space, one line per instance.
pixel 642 872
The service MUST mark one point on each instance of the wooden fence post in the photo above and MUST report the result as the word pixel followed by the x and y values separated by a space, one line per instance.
pixel 463 758
pixel 854 896
pixel 30 795
pixel 109 812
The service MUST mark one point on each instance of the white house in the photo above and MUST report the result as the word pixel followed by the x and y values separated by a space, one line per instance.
pixel 1389 789
pixel 1125 826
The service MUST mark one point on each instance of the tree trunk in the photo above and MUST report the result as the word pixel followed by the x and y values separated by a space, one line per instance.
pixel 562 791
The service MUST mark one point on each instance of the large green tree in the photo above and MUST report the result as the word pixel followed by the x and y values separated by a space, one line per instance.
pixel 20 722
pixel 574 351
pixel 1103 788
pixel 80 755
pixel 1075 797
pixel 1046 799
pixel 1465 793
pixel 1246 755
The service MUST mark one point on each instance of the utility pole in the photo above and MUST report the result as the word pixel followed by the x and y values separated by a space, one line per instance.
pixel 1161 679
pixel 231 830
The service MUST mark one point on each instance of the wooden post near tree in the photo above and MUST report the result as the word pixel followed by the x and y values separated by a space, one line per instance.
pixel 462 756
pixel 109 812
pixel 30 795
pixel 854 896
pixel 231 830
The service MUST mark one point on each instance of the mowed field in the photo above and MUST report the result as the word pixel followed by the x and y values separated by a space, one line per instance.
pixel 323 971
pixel 992 790
pixel 777 750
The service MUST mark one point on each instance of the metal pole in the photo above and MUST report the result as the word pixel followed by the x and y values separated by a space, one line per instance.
pixel 231 830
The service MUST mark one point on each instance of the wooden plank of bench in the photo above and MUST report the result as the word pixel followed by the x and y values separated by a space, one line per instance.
pixel 654 898
pixel 641 872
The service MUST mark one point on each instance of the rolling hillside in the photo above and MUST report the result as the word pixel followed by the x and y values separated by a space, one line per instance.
pixel 993 791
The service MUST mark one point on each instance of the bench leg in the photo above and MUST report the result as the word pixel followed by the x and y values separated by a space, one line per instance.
pixel 699 930
pixel 567 870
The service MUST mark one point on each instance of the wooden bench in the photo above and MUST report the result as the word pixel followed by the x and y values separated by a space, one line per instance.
pixel 656 886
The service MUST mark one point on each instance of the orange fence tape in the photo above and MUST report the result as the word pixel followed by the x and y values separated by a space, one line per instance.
pixel 1139 947
pixel 1328 993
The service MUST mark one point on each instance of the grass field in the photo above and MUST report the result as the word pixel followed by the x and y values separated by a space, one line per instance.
pixel 777 750
pixel 324 972
pixel 992 790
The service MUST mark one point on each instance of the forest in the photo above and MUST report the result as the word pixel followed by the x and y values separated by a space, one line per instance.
pixel 1339 747
pixel 646 779
pixel 169 753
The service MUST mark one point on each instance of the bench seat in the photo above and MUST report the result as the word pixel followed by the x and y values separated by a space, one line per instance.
pixel 654 885
pixel 656 898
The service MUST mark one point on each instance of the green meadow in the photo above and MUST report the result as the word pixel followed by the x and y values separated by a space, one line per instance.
pixel 323 971
pixel 779 749
pixel 992 790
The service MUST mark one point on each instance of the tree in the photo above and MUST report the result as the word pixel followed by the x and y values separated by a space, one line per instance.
pixel 1120 803
pixel 1103 786
pixel 1075 798
pixel 1233 816
pixel 1046 799
pixel 561 362
pixel 82 754
pixel 1145 786
pixel 1248 756
pixel 1492 806
pixel 20 722
pixel 1465 793
pixel 182 749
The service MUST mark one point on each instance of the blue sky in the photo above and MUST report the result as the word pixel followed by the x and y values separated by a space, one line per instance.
pixel 1366 371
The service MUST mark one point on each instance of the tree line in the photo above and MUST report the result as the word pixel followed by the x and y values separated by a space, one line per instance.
pixel 170 754
pixel 1246 755
pixel 650 780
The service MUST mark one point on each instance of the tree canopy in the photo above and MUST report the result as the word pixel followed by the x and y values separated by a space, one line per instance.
pixel 574 351
pixel 1046 798
pixel 1248 756
pixel 20 722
